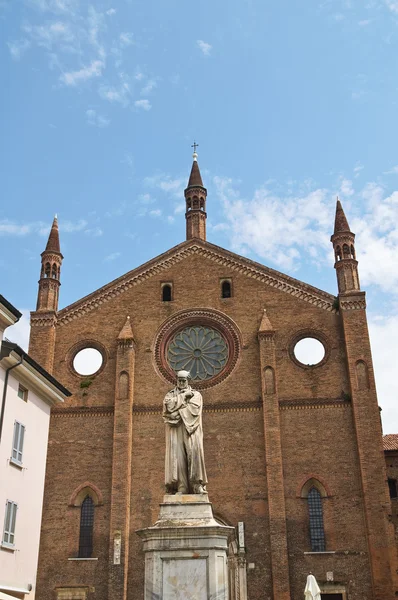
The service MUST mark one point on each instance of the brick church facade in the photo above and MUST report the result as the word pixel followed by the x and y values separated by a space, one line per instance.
pixel 294 452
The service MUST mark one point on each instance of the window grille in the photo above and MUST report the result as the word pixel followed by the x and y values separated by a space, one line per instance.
pixel 86 528
pixel 9 523
pixel 317 533
pixel 17 444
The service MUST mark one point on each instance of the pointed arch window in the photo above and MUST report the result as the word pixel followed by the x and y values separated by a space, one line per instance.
pixel 86 528
pixel 317 531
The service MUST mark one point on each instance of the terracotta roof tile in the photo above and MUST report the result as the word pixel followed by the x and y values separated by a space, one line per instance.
pixel 390 441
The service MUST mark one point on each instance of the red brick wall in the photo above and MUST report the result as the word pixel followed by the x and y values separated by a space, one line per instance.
pixel 81 447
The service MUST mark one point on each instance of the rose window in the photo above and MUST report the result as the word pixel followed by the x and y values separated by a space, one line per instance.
pixel 200 350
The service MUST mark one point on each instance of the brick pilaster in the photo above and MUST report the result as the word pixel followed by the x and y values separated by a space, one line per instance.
pixel 42 338
pixel 370 444
pixel 274 467
pixel 121 467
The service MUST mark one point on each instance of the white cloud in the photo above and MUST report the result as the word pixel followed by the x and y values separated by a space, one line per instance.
pixel 346 188
pixel 126 39
pixel 120 94
pixel 18 48
pixel 392 5
pixel 144 104
pixel 112 256
pixel 94 232
pixel 392 171
pixel 95 119
pixel 19 333
pixel 285 230
pixel 204 47
pixel 384 338
pixel 148 87
pixel 357 169
pixel 50 34
pixel 155 213
pixel 169 185
pixel 74 77
pixel 364 22
pixel 111 11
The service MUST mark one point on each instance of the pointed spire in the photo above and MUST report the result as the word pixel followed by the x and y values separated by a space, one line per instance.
pixel 53 239
pixel 340 223
pixel 265 325
pixel 126 332
pixel 195 178
pixel 195 200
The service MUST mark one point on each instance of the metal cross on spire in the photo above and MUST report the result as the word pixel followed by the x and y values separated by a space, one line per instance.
pixel 194 146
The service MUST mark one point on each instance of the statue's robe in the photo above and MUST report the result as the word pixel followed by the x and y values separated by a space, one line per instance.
pixel 185 464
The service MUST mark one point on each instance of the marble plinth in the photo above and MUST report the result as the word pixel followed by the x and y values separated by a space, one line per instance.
pixel 186 551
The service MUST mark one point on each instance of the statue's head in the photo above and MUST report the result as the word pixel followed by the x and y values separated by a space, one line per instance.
pixel 182 379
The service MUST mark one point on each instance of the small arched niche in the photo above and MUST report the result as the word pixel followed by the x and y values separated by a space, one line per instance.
pixel 269 380
pixel 362 375
pixel 123 385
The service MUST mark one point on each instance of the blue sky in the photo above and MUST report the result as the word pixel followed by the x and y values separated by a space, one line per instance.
pixel 292 103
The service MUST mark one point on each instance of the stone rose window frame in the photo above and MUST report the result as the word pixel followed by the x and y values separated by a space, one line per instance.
pixel 207 318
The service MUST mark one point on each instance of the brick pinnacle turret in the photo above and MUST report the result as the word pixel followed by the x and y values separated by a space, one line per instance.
pixel 195 199
pixel 346 265
pixel 49 283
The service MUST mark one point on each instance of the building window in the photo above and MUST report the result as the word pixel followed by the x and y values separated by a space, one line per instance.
pixel 317 533
pixel 22 392
pixel 226 288
pixel 86 528
pixel 392 486
pixel 166 292
pixel 9 523
pixel 17 443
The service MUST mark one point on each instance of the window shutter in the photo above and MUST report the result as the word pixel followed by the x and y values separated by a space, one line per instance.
pixel 9 524
pixel 17 445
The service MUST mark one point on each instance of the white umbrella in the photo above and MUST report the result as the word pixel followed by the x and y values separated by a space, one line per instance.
pixel 312 591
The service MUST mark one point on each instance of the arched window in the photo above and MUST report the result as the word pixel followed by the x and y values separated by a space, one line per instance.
pixel 352 251
pixel 47 270
pixel 86 528
pixel 346 251
pixel 315 510
pixel 166 293
pixel 338 253
pixel 226 291
pixel 54 271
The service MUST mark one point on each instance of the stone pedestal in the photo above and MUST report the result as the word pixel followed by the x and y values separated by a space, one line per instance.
pixel 186 551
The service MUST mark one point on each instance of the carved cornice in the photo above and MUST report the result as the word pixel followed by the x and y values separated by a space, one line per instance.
pixel 83 411
pixel 219 256
pixel 51 256
pixel 38 319
pixel 301 404
pixel 352 304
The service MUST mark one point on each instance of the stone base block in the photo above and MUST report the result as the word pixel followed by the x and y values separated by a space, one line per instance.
pixel 186 551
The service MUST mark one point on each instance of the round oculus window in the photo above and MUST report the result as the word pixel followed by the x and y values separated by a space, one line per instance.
pixel 309 351
pixel 201 350
pixel 87 361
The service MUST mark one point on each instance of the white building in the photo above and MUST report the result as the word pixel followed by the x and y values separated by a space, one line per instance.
pixel 27 393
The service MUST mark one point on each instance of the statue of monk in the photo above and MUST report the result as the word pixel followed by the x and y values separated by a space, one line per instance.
pixel 185 471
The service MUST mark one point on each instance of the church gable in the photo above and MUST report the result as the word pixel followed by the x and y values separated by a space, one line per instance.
pixel 205 250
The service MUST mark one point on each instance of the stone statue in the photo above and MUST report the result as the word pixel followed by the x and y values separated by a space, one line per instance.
pixel 185 471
